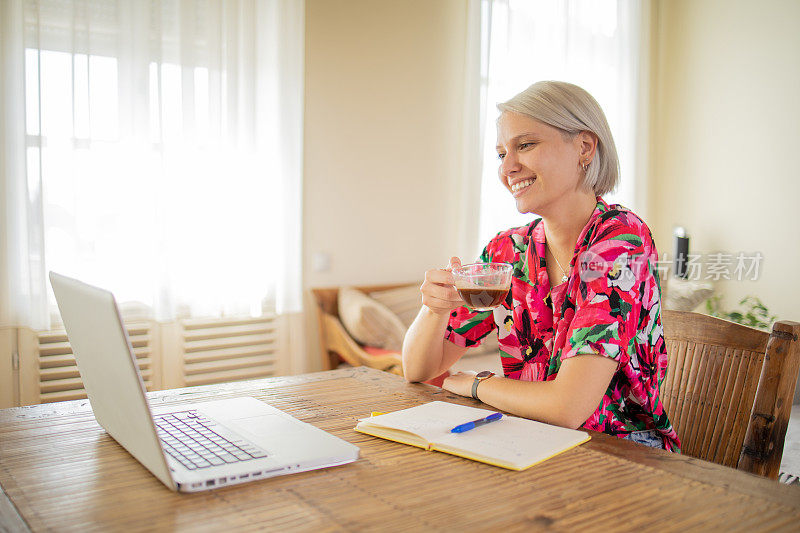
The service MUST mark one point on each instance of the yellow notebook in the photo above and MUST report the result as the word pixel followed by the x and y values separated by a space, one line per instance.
pixel 511 442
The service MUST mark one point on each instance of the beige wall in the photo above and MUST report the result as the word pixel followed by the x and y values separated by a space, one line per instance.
pixel 384 96
pixel 727 137
pixel 384 99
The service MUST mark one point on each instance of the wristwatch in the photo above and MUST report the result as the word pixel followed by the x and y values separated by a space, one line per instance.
pixel 480 376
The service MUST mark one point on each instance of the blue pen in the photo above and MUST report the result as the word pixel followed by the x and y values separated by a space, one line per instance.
pixel 461 428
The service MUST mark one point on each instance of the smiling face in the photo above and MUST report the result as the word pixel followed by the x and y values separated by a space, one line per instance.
pixel 539 165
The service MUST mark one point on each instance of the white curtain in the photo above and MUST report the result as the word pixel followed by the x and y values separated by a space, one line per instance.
pixel 601 45
pixel 159 153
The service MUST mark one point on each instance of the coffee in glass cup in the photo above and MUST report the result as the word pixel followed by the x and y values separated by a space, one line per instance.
pixel 483 286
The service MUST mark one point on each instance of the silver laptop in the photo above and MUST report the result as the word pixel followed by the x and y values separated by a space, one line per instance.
pixel 189 447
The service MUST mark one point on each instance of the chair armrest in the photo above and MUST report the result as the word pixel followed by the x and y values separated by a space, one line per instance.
pixel 337 341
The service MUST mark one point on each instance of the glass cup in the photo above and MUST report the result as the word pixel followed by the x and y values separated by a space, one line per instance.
pixel 483 286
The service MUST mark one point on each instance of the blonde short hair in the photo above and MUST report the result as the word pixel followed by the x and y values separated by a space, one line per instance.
pixel 572 110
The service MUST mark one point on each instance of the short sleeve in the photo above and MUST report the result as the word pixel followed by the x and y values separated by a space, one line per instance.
pixel 615 275
pixel 468 328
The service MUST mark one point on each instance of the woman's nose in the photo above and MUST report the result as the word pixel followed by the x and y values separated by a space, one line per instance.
pixel 509 164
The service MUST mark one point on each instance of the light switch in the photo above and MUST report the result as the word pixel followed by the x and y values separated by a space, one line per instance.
pixel 321 262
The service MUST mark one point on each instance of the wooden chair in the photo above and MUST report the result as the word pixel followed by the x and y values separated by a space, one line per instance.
pixel 338 345
pixel 729 388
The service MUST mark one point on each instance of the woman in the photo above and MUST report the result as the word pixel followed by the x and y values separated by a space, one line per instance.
pixel 580 331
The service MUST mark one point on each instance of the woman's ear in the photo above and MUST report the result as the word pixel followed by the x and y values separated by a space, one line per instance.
pixel 587 145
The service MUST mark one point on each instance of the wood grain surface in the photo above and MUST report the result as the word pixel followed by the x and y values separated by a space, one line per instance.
pixel 59 471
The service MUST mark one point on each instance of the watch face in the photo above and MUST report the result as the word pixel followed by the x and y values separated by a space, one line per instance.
pixel 484 374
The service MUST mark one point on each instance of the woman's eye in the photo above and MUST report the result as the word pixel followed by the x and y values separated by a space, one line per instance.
pixel 501 156
pixel 523 146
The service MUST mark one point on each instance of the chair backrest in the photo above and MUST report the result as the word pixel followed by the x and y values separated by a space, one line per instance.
pixel 729 388
pixel 336 343
pixel 328 297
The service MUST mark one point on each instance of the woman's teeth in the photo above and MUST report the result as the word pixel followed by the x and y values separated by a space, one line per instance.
pixel 521 185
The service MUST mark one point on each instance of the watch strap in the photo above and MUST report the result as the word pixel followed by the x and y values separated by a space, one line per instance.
pixel 475 387
pixel 486 374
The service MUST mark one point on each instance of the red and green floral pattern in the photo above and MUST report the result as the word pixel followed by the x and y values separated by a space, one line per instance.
pixel 610 306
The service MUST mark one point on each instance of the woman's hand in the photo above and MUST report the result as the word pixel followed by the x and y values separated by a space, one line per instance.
pixel 460 383
pixel 426 353
pixel 438 290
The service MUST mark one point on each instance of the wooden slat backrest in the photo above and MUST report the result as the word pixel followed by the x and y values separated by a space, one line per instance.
pixel 712 383
pixel 334 340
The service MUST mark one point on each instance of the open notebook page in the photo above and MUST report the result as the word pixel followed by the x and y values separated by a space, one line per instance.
pixel 431 421
pixel 510 441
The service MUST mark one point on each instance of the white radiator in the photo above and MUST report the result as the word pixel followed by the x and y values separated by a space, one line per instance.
pixel 219 350
pixel 169 355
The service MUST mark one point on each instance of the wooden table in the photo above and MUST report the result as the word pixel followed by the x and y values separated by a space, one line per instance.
pixel 60 471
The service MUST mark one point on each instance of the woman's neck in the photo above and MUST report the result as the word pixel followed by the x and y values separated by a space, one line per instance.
pixel 564 224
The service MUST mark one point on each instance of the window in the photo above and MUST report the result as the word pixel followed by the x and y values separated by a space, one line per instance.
pixel 592 43
pixel 156 151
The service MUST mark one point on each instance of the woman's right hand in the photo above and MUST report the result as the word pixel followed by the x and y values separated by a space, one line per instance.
pixel 426 352
pixel 439 293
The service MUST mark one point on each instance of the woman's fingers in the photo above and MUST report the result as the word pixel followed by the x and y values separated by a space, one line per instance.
pixel 442 292
pixel 455 262
pixel 438 292
pixel 443 307
pixel 440 276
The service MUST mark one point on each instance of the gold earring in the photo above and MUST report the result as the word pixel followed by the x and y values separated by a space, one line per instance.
pixel 585 165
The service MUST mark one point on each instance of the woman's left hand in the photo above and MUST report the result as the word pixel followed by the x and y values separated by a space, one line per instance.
pixel 460 383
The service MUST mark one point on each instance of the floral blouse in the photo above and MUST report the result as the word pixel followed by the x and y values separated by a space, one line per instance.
pixel 610 305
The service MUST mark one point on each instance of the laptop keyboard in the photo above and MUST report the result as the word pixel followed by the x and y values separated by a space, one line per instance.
pixel 197 442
